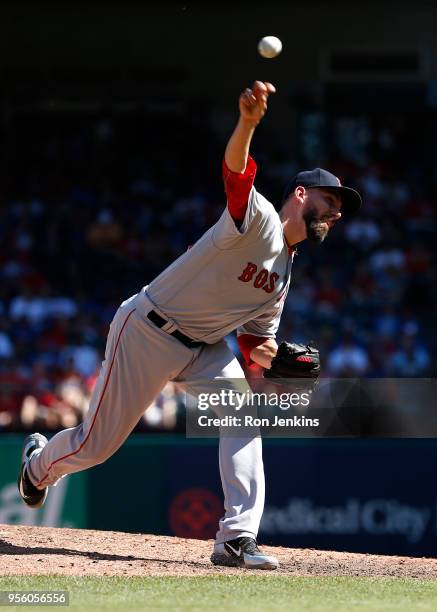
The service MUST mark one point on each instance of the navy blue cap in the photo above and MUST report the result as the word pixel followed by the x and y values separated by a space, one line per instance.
pixel 350 199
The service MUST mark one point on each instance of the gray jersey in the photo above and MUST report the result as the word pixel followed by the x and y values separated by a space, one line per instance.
pixel 231 278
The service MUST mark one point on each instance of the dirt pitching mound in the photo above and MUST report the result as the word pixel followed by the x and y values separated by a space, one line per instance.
pixel 82 552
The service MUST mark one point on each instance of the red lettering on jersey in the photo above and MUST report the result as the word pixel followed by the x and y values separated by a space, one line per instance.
pixel 248 272
pixel 261 279
pixel 271 284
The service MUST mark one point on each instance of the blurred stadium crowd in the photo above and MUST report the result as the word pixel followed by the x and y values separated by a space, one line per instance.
pixel 92 208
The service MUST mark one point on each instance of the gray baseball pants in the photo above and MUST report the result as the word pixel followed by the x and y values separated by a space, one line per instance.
pixel 139 360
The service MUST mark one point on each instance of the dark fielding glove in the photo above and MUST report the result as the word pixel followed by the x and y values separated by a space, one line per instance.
pixel 295 361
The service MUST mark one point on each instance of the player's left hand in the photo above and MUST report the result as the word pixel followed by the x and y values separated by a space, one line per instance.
pixel 253 102
pixel 295 364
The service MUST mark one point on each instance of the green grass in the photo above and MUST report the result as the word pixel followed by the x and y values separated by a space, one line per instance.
pixel 235 593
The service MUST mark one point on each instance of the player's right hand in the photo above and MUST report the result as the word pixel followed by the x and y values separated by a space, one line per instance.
pixel 253 102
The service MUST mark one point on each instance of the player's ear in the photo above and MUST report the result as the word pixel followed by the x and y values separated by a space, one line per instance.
pixel 300 193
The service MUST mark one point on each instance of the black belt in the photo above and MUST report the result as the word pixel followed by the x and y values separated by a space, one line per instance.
pixel 160 322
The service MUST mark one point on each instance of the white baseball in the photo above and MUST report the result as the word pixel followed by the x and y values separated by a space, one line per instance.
pixel 269 46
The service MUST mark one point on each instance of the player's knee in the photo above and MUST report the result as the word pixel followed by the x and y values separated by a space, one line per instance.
pixel 100 457
pixel 91 453
pixel 90 456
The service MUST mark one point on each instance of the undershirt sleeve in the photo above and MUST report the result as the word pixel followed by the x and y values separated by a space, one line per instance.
pixel 258 330
pixel 246 343
pixel 237 188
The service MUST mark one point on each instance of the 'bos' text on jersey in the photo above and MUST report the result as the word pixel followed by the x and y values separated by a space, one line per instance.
pixel 262 279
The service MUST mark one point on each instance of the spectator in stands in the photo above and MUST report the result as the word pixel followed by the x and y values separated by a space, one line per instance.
pixel 98 201
pixel 348 360
pixel 411 360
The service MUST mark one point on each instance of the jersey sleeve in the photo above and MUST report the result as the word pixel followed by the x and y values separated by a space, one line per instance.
pixel 237 188
pixel 260 222
pixel 258 330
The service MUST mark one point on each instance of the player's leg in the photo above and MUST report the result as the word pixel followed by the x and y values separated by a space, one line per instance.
pixel 240 461
pixel 139 359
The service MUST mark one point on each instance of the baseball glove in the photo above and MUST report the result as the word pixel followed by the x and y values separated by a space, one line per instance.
pixel 296 364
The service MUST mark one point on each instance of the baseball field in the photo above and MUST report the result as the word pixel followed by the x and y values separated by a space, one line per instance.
pixel 113 570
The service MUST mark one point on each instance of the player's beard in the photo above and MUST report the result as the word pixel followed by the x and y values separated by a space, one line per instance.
pixel 317 230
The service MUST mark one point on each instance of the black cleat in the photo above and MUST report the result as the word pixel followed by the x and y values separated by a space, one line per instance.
pixel 32 497
pixel 242 552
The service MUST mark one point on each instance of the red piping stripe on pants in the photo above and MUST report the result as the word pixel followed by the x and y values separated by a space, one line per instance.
pixel 98 407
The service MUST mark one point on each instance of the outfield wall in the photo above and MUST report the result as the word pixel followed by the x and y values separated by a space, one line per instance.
pixel 356 495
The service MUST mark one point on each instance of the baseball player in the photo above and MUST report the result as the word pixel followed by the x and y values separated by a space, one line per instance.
pixel 235 277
